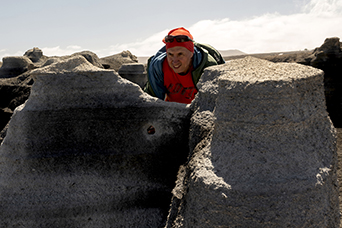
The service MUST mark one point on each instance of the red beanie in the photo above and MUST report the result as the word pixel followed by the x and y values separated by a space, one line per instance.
pixel 180 31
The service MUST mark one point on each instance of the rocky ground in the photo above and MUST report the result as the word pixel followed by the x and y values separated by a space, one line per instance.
pixel 328 57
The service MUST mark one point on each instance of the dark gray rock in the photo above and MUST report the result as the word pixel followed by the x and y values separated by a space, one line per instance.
pixel 116 61
pixel 90 56
pixel 36 56
pixel 328 58
pixel 134 72
pixel 265 156
pixel 11 97
pixel 15 65
pixel 90 149
pixel 3 133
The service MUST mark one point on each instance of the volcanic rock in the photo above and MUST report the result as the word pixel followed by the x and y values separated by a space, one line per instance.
pixel 264 156
pixel 328 58
pixel 36 56
pixel 134 72
pixel 15 65
pixel 88 55
pixel 11 97
pixel 90 149
pixel 91 57
pixel 116 61
pixel 16 73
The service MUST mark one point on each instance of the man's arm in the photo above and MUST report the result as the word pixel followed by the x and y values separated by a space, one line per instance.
pixel 155 84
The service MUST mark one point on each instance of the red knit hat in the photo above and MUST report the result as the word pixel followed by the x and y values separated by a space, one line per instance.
pixel 177 32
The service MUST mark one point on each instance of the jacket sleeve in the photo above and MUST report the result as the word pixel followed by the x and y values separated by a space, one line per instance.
pixel 155 84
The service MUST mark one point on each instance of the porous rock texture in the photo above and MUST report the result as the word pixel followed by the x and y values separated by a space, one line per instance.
pixel 16 79
pixel 15 65
pixel 90 149
pixel 263 150
pixel 328 58
pixel 134 72
pixel 36 56
pixel 115 61
pixel 11 96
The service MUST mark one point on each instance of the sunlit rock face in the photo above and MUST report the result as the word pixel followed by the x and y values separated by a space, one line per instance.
pixel 90 149
pixel 263 150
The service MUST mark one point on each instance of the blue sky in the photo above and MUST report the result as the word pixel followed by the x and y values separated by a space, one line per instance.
pixel 108 27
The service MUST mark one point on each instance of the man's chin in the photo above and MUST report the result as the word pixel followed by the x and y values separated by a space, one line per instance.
pixel 178 71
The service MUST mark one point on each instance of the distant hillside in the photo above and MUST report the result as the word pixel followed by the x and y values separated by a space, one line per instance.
pixel 231 52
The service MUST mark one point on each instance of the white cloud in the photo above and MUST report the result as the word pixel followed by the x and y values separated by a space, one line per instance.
pixel 58 51
pixel 323 7
pixel 48 51
pixel 144 47
pixel 318 20
pixel 4 53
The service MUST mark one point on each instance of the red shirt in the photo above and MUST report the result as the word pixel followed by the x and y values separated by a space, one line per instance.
pixel 180 88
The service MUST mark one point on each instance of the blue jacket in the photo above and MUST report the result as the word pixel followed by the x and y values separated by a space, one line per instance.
pixel 204 56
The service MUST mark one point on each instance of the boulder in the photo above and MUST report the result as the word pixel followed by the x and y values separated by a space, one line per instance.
pixel 16 78
pixel 134 72
pixel 36 56
pixel 3 133
pixel 264 155
pixel 15 65
pixel 90 149
pixel 331 46
pixel 328 58
pixel 90 56
pixel 11 97
pixel 115 61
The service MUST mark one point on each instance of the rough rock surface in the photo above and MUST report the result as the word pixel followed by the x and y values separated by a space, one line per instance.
pixel 116 61
pixel 11 97
pixel 36 56
pixel 264 155
pixel 328 58
pixel 15 65
pixel 134 72
pixel 90 149
pixel 16 78
pixel 88 55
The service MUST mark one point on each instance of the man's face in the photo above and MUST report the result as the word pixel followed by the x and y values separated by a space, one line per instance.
pixel 179 59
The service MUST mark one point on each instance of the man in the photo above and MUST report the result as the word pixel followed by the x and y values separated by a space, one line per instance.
pixel 175 70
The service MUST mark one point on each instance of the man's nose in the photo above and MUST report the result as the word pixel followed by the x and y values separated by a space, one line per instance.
pixel 175 59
